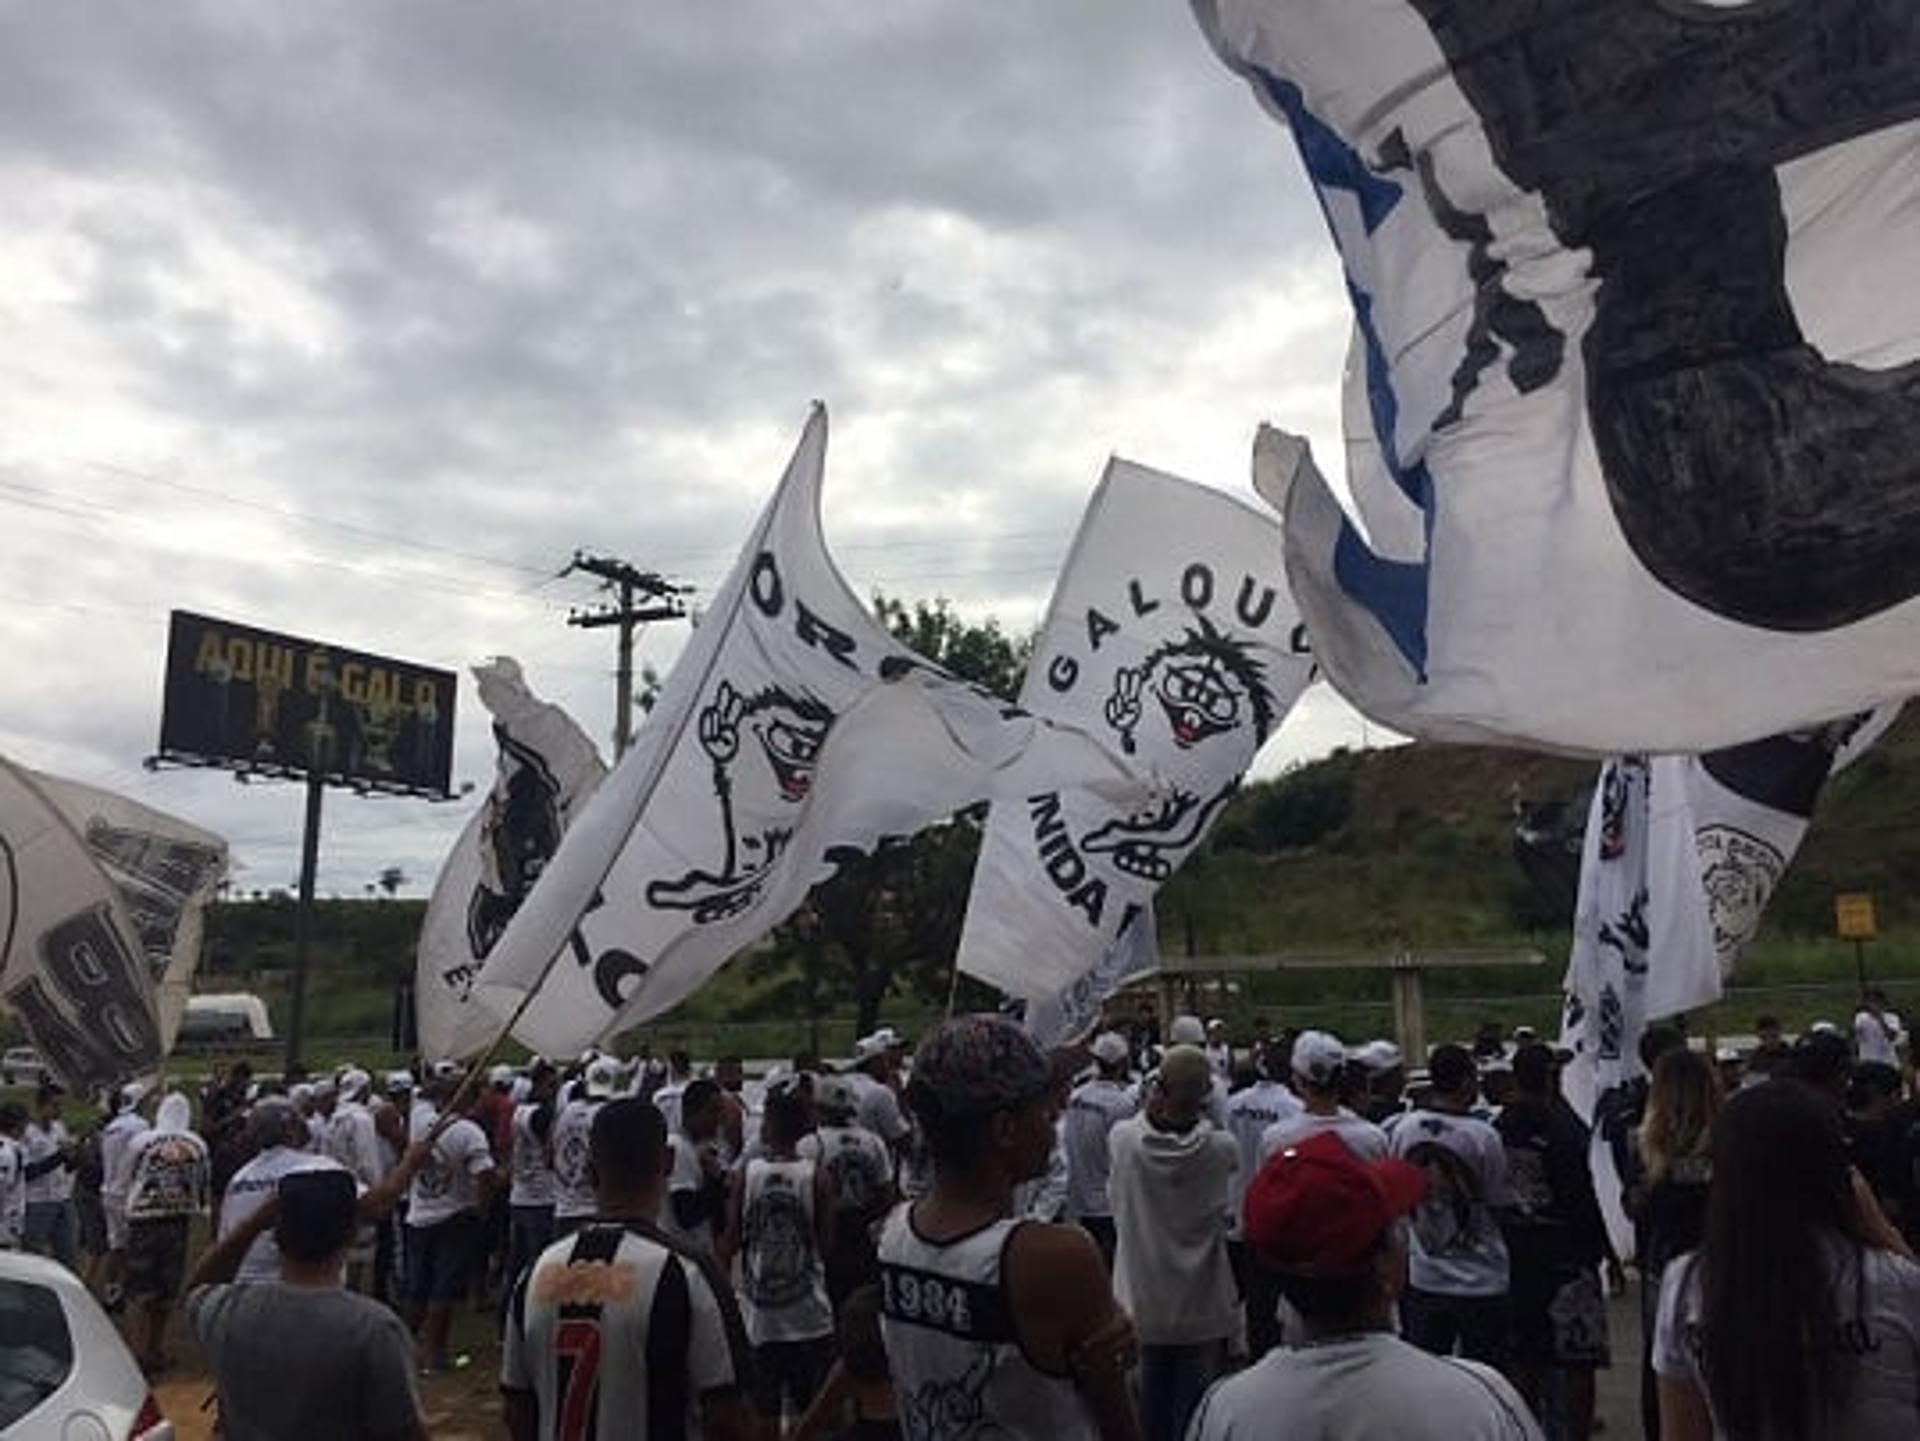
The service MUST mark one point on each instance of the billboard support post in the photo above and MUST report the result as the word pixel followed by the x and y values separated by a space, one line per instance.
pixel 303 920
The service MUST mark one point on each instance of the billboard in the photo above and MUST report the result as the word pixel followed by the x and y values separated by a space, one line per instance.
pixel 258 701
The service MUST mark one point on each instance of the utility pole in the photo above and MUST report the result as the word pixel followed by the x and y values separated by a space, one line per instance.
pixel 640 596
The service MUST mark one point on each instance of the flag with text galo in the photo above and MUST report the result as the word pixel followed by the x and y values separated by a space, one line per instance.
pixel 793 731
pixel 1171 639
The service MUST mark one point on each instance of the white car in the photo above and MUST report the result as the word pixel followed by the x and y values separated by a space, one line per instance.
pixel 65 1374
pixel 22 1066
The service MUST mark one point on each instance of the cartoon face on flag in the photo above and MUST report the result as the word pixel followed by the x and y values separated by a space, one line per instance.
pixel 1634 423
pixel 546 769
pixel 1170 640
pixel 794 731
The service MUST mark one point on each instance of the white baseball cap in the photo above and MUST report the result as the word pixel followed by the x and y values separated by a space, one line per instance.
pixel 1109 1048
pixel 1378 1056
pixel 1318 1057
pixel 355 1082
pixel 398 1081
pixel 1186 1031
pixel 500 1075
pixel 835 1097
pixel 603 1077
pixel 878 1044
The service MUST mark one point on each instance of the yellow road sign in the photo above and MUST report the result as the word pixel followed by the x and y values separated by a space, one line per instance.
pixel 1853 916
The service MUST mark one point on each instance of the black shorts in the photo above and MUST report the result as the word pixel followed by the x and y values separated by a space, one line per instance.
pixel 1480 1328
pixel 441 1258
pixel 156 1260
pixel 1559 1317
pixel 789 1370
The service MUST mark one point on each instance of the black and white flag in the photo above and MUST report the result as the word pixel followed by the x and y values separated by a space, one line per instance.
pixel 1171 639
pixel 793 730
pixel 547 768
pixel 1634 418
pixel 1681 855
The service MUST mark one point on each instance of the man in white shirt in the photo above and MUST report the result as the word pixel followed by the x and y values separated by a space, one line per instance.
pixel 1876 1030
pixel 1172 1169
pixel 352 1138
pixel 445 1205
pixel 1251 1113
pixel 1318 1059
pixel 277 1137
pixel 859 1172
pixel 697 1183
pixel 52 1225
pixel 116 1140
pixel 667 1099
pixel 876 1079
pixel 1094 1107
pixel 168 1181
pixel 13 1177
pixel 1458 1277
pixel 573 1199
pixel 661 1329
pixel 1220 1050
pixel 1331 1228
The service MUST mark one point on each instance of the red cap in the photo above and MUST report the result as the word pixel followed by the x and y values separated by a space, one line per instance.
pixel 1316 1209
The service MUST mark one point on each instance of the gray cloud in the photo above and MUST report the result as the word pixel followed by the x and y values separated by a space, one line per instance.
pixel 508 280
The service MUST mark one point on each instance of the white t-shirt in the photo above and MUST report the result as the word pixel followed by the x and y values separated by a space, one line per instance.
pixel 857 1164
pixel 1364 1386
pixel 1251 1113
pixel 353 1141
pixel 783 1277
pixel 116 1137
pixel 40 1142
pixel 1458 1248
pixel 1362 1137
pixel 572 1148
pixel 686 1175
pixel 13 1193
pixel 449 1182
pixel 1879 1346
pixel 643 1337
pixel 879 1108
pixel 248 1191
pixel 668 1099
pixel 1876 1036
pixel 532 1165
pixel 1093 1110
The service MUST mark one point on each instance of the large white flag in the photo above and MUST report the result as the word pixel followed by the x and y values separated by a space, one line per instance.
pixel 1681 855
pixel 72 963
pixel 166 871
pixel 1074 1010
pixel 1171 639
pixel 546 770
pixel 1634 424
pixel 792 730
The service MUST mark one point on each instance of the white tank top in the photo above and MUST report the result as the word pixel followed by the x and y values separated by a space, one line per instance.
pixel 783 1280
pixel 958 1368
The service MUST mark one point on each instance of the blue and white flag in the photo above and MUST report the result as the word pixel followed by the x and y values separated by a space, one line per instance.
pixel 1634 426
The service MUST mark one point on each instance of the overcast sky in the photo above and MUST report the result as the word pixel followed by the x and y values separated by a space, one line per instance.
pixel 355 320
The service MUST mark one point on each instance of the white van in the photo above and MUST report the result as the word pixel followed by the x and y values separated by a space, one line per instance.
pixel 234 1018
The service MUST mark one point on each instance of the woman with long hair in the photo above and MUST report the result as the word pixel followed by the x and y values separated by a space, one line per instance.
pixel 1668 1203
pixel 1798 1319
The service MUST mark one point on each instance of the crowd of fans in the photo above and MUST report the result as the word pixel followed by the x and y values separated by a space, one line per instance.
pixel 1144 1236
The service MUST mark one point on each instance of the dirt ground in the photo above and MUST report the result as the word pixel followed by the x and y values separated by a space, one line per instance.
pixel 465 1405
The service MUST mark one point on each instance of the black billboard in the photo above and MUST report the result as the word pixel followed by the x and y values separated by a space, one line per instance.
pixel 258 701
